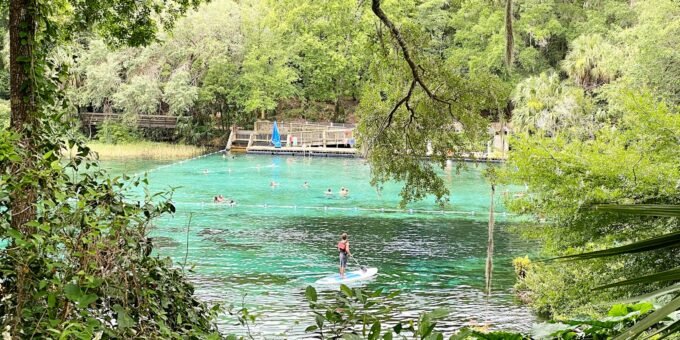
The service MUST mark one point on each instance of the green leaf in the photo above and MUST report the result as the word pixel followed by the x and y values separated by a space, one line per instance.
pixel 51 300
pixel 426 329
pixel 359 294
pixel 310 293
pixel 650 320
pixel 618 310
pixel 346 290
pixel 435 336
pixel 87 299
pixel 547 330
pixel 439 313
pixel 311 328
pixel 377 292
pixel 72 292
pixel 124 320
pixel 397 328
pixel 388 335
pixel 374 333
pixel 319 321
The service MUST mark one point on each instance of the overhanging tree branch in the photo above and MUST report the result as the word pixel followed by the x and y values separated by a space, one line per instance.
pixel 415 69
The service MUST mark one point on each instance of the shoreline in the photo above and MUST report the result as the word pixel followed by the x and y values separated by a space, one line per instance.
pixel 146 150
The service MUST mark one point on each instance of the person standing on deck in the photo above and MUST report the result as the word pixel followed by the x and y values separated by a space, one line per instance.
pixel 343 248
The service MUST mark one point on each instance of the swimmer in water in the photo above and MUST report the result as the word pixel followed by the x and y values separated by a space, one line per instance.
pixel 305 185
pixel 329 192
pixel 232 203
pixel 273 184
pixel 205 171
pixel 218 199
pixel 344 192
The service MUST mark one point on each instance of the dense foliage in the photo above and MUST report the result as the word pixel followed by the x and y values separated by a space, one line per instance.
pixel 590 88
pixel 86 268
pixel 605 132
pixel 75 259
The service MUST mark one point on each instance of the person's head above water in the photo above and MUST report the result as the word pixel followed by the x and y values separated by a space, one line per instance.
pixel 343 236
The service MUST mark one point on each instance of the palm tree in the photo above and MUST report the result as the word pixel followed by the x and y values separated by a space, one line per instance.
pixel 590 61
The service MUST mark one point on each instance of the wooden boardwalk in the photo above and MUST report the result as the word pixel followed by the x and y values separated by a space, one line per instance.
pixel 338 140
pixel 304 151
pixel 143 121
pixel 303 139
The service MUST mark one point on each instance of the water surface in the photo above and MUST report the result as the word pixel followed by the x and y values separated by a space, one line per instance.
pixel 276 241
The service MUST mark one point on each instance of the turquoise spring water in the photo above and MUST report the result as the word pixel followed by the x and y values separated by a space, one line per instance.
pixel 276 241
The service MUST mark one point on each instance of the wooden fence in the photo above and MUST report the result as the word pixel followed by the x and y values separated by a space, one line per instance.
pixel 144 121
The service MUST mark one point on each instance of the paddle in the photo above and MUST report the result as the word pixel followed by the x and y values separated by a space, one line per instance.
pixel 363 269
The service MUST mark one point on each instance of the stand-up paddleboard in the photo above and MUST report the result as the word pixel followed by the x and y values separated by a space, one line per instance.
pixel 352 276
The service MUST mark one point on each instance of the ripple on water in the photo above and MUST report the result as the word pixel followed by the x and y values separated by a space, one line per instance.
pixel 269 255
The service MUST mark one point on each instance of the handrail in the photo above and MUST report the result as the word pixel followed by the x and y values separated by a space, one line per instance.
pixel 266 126
pixel 96 118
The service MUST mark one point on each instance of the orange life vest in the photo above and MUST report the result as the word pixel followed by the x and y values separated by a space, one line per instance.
pixel 342 246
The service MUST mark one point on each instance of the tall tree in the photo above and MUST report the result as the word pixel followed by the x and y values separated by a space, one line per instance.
pixel 22 30
pixel 35 28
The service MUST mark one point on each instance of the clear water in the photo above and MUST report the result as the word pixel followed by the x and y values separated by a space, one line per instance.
pixel 276 241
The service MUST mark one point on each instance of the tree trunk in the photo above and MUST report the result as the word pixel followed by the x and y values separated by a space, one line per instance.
pixel 509 37
pixel 24 122
pixel 22 97
pixel 489 247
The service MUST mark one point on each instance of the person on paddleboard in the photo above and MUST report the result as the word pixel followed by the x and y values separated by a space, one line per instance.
pixel 343 248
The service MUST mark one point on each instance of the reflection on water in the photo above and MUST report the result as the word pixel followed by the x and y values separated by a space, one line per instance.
pixel 272 254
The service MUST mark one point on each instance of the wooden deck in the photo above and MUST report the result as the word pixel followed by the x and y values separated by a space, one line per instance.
pixel 336 140
pixel 297 138
pixel 304 151
pixel 143 121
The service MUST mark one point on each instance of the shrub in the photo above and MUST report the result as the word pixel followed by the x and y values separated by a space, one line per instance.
pixel 82 266
pixel 114 132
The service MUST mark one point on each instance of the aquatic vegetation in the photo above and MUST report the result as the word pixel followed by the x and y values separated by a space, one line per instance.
pixel 145 150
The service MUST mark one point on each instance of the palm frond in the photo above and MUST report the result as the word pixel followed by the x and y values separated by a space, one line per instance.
pixel 668 330
pixel 669 275
pixel 649 296
pixel 659 242
pixel 660 210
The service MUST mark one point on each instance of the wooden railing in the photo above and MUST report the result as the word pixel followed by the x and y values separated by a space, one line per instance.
pixel 285 128
pixel 308 138
pixel 243 134
pixel 145 121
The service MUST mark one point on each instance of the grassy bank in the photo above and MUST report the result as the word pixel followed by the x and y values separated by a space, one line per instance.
pixel 145 150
